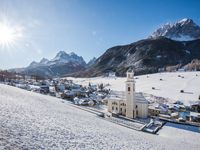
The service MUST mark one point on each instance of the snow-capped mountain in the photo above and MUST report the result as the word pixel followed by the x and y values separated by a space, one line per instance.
pixel 63 57
pixel 183 30
pixel 146 56
pixel 60 65
pixel 169 45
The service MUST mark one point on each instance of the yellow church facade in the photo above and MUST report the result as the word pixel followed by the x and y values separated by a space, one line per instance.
pixel 128 103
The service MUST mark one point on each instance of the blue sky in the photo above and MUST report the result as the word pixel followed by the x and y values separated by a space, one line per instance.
pixel 86 27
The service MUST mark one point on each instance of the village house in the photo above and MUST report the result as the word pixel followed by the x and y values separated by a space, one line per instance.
pixel 153 110
pixel 128 103
pixel 196 106
pixel 194 117
pixel 111 74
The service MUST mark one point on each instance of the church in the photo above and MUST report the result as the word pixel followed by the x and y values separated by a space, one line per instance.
pixel 128 103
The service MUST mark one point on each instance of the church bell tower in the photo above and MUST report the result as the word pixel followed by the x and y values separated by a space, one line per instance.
pixel 130 95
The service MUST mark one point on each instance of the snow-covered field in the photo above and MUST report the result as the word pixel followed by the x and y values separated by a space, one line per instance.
pixel 34 121
pixel 169 87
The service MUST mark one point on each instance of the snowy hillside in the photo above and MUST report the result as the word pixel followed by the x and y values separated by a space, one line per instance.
pixel 169 87
pixel 34 121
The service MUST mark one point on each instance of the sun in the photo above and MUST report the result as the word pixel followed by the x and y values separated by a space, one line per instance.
pixel 8 35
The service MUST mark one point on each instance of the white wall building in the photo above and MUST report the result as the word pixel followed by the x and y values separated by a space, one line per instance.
pixel 128 103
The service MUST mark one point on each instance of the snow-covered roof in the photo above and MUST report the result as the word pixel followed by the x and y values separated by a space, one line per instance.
pixel 120 95
pixel 153 107
pixel 196 103
pixel 117 95
pixel 195 114
pixel 174 114
pixel 140 98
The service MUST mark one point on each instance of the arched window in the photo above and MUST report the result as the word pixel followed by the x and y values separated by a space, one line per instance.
pixel 129 89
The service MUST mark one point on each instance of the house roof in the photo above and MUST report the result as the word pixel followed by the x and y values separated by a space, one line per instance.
pixel 153 107
pixel 196 103
pixel 195 114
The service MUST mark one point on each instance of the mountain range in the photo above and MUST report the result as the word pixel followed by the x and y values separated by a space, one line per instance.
pixel 61 64
pixel 171 44
pixel 61 58
pixel 145 56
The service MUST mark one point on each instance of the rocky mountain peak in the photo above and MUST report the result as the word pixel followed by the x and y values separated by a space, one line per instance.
pixel 183 30
pixel 61 55
pixel 44 61
pixel 186 21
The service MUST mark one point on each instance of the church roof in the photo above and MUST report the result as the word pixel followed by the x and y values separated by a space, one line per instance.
pixel 121 95
pixel 117 95
pixel 140 98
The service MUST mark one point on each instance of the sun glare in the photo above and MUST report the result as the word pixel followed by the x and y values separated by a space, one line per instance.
pixel 8 35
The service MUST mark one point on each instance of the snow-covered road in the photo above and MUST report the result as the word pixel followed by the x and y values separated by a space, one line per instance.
pixel 34 121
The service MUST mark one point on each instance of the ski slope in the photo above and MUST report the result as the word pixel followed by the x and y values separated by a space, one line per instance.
pixel 33 121
pixel 169 87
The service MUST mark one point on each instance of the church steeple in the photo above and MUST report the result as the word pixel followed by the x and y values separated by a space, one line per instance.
pixel 130 75
pixel 130 95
